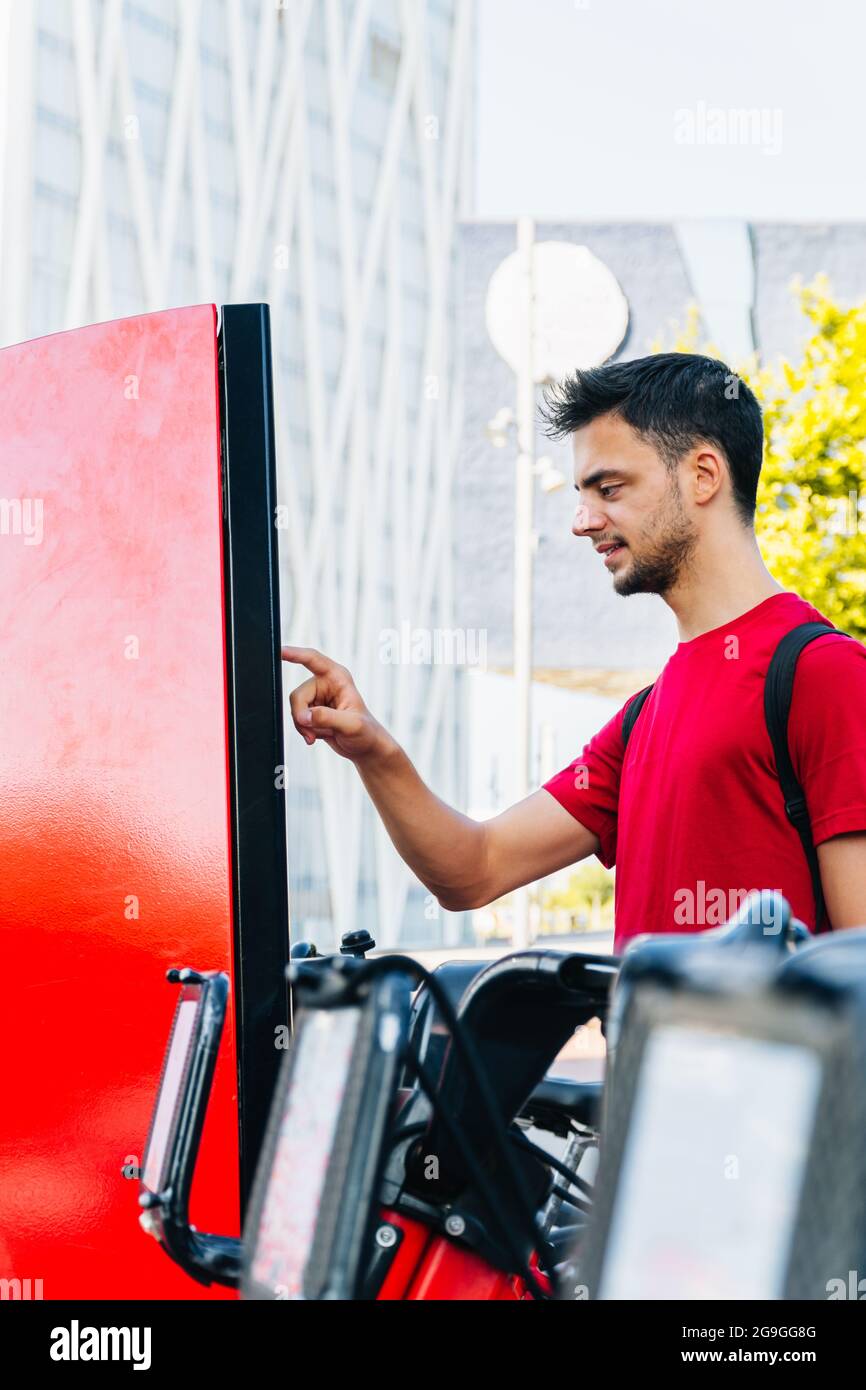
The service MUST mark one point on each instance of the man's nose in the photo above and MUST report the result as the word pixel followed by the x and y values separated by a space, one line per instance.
pixel 587 519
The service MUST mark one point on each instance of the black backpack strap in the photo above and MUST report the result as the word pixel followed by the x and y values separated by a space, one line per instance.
pixel 778 689
pixel 629 719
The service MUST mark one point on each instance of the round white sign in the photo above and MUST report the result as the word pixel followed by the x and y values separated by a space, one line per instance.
pixel 581 314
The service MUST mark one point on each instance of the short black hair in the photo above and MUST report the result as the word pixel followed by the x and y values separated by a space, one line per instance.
pixel 674 400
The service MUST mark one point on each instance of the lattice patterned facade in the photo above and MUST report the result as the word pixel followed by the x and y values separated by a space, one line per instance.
pixel 314 154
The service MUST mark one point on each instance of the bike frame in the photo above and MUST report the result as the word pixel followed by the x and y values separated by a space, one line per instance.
pixel 428 1266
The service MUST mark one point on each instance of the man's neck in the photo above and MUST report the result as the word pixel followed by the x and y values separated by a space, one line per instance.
pixel 725 582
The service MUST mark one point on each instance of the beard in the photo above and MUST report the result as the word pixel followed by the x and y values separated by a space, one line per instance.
pixel 666 546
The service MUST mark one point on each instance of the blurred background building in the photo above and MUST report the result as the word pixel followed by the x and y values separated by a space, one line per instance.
pixel 315 154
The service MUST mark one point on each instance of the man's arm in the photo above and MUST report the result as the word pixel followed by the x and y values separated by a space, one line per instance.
pixel 465 863
pixel 842 861
pixel 827 740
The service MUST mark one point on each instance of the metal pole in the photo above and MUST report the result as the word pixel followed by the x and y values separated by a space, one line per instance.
pixel 523 555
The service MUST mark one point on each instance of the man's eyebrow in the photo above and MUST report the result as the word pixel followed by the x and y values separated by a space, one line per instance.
pixel 598 476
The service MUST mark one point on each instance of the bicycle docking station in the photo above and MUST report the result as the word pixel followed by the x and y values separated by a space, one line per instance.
pixel 734 1139
pixel 397 1163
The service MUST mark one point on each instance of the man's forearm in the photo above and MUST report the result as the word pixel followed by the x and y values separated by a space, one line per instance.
pixel 444 848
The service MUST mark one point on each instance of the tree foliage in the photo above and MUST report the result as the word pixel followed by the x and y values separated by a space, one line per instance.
pixel 590 881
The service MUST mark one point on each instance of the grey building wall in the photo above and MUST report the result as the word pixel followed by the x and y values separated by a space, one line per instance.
pixel 784 250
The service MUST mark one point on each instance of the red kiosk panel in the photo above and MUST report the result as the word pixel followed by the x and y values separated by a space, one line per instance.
pixel 115 839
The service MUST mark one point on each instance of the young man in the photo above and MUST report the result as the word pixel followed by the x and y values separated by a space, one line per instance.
pixel 666 463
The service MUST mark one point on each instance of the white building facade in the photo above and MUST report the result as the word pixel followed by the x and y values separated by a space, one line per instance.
pixel 314 154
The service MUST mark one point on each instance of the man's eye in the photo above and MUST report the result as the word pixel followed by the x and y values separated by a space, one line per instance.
pixel 606 491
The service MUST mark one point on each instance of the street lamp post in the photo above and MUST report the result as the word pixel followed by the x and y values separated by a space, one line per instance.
pixel 524 549
pixel 551 307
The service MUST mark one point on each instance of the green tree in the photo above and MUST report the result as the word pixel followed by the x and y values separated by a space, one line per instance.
pixel 811 518
pixel 590 885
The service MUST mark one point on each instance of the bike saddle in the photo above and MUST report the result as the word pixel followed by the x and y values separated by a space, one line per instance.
pixel 428 1034
pixel 517 1013
pixel 557 1102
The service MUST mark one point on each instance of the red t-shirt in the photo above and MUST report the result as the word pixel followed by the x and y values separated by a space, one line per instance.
pixel 693 815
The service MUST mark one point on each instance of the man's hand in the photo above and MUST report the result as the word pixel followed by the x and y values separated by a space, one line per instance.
pixel 465 863
pixel 328 707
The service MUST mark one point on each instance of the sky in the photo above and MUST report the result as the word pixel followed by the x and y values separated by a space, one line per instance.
pixel 629 109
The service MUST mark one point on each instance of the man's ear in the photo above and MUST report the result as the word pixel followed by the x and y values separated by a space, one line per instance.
pixel 708 471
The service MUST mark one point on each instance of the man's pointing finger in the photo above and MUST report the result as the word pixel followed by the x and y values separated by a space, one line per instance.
pixel 314 661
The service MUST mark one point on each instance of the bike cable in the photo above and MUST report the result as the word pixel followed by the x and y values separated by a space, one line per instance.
pixel 568 1173
pixel 480 1179
pixel 499 1134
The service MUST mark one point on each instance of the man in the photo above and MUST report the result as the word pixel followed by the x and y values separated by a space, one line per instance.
pixel 667 454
